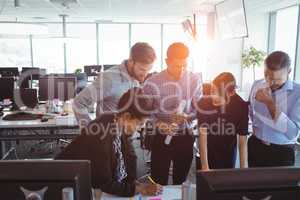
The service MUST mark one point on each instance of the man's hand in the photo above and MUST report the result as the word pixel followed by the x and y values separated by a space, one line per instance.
pixel 166 128
pixel 179 118
pixel 264 96
pixel 149 189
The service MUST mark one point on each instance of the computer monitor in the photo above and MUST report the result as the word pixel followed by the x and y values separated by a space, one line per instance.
pixel 107 67
pixel 9 71
pixel 62 88
pixel 92 70
pixel 6 88
pixel 50 176
pixel 254 183
pixel 61 75
pixel 28 74
pixel 33 72
pixel 25 97
pixel 81 79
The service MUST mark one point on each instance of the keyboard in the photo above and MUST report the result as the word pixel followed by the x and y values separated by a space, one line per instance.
pixel 20 116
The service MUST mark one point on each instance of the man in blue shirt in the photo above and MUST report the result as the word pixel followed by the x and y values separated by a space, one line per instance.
pixel 275 114
pixel 174 92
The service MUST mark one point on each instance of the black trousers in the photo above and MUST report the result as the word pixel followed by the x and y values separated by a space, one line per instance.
pixel 180 151
pixel 263 155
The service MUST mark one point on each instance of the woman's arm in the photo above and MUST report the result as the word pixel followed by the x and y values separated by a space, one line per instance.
pixel 203 148
pixel 243 150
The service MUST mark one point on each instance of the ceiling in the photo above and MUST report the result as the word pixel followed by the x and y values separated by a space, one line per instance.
pixel 122 10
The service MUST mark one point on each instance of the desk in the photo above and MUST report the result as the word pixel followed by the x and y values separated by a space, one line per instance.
pixel 53 129
pixel 170 193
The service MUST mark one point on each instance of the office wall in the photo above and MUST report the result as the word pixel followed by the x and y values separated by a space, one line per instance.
pixel 258 26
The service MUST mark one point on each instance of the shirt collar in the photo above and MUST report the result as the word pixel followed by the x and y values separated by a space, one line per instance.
pixel 288 85
pixel 123 68
pixel 169 77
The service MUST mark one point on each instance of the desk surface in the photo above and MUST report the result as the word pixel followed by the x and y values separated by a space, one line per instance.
pixel 57 122
pixel 170 193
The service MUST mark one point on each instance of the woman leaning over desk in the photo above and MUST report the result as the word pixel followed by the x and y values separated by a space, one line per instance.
pixel 106 143
pixel 222 123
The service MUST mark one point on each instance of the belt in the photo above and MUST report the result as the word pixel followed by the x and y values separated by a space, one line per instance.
pixel 274 145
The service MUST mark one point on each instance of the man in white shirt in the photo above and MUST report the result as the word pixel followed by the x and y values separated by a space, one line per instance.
pixel 110 85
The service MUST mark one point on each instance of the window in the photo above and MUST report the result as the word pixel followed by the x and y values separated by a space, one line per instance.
pixel 150 33
pixel 81 49
pixel 114 43
pixel 175 33
pixel 15 53
pixel 286 32
pixel 48 52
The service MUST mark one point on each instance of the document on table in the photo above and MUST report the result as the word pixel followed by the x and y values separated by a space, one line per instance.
pixel 169 193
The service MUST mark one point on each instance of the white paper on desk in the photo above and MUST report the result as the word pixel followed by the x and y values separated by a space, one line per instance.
pixel 64 120
pixel 170 193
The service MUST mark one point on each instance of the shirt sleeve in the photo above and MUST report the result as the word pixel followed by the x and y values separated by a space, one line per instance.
pixel 151 92
pixel 203 117
pixel 102 172
pixel 251 100
pixel 92 94
pixel 131 160
pixel 196 97
pixel 289 124
pixel 109 185
pixel 243 123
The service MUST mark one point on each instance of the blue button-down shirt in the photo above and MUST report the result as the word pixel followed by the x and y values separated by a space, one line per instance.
pixel 169 94
pixel 284 130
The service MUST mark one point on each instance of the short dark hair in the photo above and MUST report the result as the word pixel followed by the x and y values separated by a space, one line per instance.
pixel 142 52
pixel 225 81
pixel 278 60
pixel 178 50
pixel 206 89
pixel 133 102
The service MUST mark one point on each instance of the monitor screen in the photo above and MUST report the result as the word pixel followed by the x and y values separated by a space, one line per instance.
pixel 33 72
pixel 92 70
pixel 9 71
pixel 25 97
pixel 46 179
pixel 51 87
pixel 231 19
pixel 253 183
pixel 107 67
pixel 6 88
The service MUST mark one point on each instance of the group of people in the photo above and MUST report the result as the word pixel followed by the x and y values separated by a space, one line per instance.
pixel 172 101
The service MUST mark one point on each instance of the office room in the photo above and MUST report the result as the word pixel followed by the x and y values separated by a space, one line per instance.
pixel 149 100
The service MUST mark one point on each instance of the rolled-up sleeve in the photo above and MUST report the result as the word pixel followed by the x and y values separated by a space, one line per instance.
pixel 198 92
pixel 289 124
pixel 151 91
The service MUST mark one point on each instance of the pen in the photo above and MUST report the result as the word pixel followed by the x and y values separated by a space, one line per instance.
pixel 151 180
